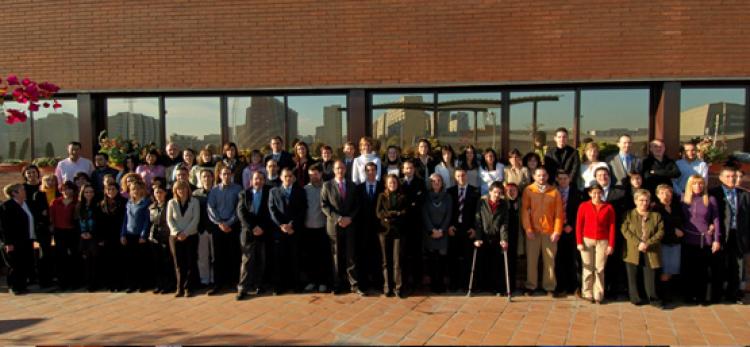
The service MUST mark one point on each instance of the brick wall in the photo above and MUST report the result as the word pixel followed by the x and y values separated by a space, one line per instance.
pixel 135 45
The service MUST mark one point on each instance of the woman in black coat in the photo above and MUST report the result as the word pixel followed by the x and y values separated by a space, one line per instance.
pixel 109 220
pixel 390 209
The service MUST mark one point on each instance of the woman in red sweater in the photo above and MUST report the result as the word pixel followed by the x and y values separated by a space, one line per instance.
pixel 62 214
pixel 595 237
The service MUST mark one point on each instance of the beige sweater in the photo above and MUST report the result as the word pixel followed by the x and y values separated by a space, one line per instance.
pixel 187 223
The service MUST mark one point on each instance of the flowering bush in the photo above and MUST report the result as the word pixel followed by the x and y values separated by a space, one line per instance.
pixel 117 148
pixel 25 92
pixel 710 150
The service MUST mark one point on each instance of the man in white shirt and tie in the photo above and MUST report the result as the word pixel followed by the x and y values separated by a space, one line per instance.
pixel 369 257
pixel 624 161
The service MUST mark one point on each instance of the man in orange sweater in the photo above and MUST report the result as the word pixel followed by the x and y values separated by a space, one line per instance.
pixel 542 216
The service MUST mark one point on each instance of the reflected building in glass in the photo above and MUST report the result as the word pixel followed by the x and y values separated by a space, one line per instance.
pixel 134 126
pixel 331 132
pixel 401 126
pixel 722 119
pixel 264 119
pixel 53 133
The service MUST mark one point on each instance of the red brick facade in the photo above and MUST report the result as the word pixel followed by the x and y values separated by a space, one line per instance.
pixel 164 45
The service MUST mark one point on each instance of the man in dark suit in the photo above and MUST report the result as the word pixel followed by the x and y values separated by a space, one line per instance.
pixel 17 236
pixel 734 206
pixel 567 260
pixel 415 191
pixel 350 150
pixel 657 168
pixel 368 225
pixel 281 156
pixel 255 219
pixel 461 232
pixel 287 204
pixel 338 200
pixel 562 157
pixel 624 161
pixel 617 196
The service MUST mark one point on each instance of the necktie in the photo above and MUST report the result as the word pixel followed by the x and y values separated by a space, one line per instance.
pixel 256 201
pixel 565 204
pixel 626 161
pixel 732 208
pixel 372 191
pixel 342 190
pixel 461 198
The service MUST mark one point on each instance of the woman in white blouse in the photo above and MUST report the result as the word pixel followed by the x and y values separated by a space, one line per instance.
pixel 366 156
pixel 183 214
pixel 491 170
pixel 447 166
pixel 590 164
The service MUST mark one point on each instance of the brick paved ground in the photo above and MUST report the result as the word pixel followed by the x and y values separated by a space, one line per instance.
pixel 105 318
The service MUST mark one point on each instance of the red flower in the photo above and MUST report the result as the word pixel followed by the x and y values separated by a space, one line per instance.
pixel 32 92
pixel 17 93
pixel 56 105
pixel 33 107
pixel 26 82
pixel 12 80
pixel 46 105
pixel 22 100
pixel 49 87
pixel 15 116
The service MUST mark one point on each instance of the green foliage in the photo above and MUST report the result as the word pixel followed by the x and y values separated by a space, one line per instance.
pixel 45 161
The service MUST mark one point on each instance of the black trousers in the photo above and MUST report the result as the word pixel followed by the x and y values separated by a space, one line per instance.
pixel 253 266
pixel 45 258
pixel 436 269
pixel 491 267
pixel 315 257
pixel 91 254
pixel 137 264
pixel 227 257
pixel 19 261
pixel 285 255
pixel 413 239
pixel 163 265
pixel 343 253
pixel 567 264
pixel 185 256
pixel 615 270
pixel 727 268
pixel 649 280
pixel 695 266
pixel 459 259
pixel 112 257
pixel 368 253
pixel 390 259
pixel 67 256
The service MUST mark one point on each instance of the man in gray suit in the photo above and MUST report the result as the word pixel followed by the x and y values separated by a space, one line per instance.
pixel 623 162
pixel 338 201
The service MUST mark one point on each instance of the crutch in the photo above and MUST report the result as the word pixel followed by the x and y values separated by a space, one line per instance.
pixel 473 266
pixel 507 275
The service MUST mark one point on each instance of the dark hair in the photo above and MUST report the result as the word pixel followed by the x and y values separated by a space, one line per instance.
pixel 103 155
pixel 600 169
pixel 153 152
pixel 464 162
pixel 398 183
pixel 562 172
pixel 563 129
pixel 372 165
pixel 326 147
pixel 161 181
pixel 483 161
pixel 596 186
pixel 530 155
pixel 30 167
pixel 496 184
pixel 82 175
pixel 315 167
pixel 74 143
pixel 227 146
pixel 448 148
pixel 277 137
pixel 429 145
pixel 514 153
pixel 69 185
pixel 307 149
pixel 631 174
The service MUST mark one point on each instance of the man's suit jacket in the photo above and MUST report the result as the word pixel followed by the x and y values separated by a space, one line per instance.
pixel 15 223
pixel 468 214
pixel 250 218
pixel 285 211
pixel 619 173
pixel 285 160
pixel 415 193
pixel 567 161
pixel 367 217
pixel 334 205
pixel 575 198
pixel 743 220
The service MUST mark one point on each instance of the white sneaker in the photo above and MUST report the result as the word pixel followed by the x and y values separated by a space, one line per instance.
pixel 310 287
pixel 323 288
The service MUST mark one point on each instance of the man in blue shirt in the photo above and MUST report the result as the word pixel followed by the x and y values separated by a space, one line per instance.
pixel 222 204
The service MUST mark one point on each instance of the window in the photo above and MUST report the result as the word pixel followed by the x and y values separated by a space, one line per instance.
pixel 193 122
pixel 539 113
pixel 318 120
pixel 134 119
pixel 54 129
pixel 469 118
pixel 606 114
pixel 401 119
pixel 254 120
pixel 15 139
pixel 717 113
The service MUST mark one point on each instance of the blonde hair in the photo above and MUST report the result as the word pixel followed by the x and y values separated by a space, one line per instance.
pixel 124 186
pixel 591 145
pixel 44 187
pixel 641 192
pixel 10 188
pixel 688 196
pixel 179 185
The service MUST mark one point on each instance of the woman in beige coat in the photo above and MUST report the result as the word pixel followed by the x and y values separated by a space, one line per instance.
pixel 183 215
pixel 643 230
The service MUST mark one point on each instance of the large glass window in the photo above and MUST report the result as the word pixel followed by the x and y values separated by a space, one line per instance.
pixel 716 113
pixel 318 120
pixel 469 118
pixel 134 119
pixel 193 122
pixel 54 129
pixel 15 139
pixel 254 120
pixel 401 119
pixel 606 114
pixel 534 116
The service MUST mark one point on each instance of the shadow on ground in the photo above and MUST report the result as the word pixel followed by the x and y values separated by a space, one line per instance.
pixel 9 325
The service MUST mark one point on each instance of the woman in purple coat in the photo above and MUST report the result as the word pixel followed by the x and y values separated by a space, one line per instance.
pixel 701 239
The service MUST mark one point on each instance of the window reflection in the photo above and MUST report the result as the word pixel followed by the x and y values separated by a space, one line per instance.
pixel 469 118
pixel 716 113
pixel 54 129
pixel 193 122
pixel 134 119
pixel 401 120
pixel 607 114
pixel 535 116
pixel 15 139
pixel 254 120
pixel 319 120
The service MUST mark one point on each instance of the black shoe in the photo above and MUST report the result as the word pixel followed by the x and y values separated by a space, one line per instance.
pixel 158 291
pixel 399 294
pixel 143 290
pixel 241 295
pixel 180 293
pixel 656 303
pixel 213 291
pixel 358 291
pixel 18 291
pixel 528 292
pixel 130 290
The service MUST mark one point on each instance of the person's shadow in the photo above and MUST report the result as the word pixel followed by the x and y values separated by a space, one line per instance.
pixel 8 325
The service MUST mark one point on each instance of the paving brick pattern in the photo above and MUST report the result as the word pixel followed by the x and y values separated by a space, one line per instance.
pixel 106 318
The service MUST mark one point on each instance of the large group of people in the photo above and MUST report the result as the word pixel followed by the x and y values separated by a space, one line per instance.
pixel 185 221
